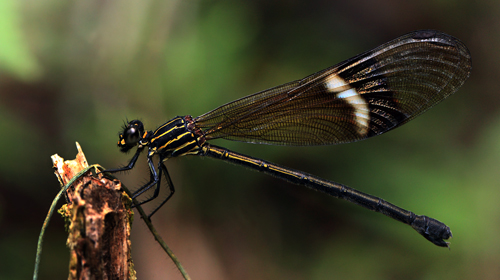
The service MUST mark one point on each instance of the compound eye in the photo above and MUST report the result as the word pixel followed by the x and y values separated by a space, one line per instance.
pixel 132 136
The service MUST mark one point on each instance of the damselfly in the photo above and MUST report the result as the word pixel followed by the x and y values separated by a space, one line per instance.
pixel 361 97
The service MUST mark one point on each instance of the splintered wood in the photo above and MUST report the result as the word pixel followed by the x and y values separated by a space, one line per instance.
pixel 98 223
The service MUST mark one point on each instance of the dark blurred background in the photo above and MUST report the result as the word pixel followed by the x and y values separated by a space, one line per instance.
pixel 75 70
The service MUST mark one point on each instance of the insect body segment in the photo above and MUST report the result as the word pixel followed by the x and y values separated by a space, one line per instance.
pixel 176 138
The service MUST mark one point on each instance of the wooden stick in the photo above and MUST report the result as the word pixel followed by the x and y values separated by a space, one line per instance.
pixel 98 219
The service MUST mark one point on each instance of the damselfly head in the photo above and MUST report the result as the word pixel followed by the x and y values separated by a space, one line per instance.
pixel 131 135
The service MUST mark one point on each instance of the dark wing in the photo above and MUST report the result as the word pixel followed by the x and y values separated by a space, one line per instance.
pixel 361 97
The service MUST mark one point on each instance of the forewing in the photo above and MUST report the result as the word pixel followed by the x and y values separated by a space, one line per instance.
pixel 364 96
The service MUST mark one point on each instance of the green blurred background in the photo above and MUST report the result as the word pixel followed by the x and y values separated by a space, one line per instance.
pixel 75 70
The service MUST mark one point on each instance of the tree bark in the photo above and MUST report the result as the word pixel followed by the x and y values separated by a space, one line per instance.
pixel 98 218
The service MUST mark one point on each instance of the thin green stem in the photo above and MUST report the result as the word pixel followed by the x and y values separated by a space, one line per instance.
pixel 157 236
pixel 51 211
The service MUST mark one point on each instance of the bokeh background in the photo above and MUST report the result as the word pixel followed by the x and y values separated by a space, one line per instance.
pixel 75 70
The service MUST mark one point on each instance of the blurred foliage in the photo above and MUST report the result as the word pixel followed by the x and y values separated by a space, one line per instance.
pixel 75 70
pixel 15 57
